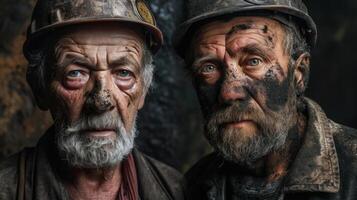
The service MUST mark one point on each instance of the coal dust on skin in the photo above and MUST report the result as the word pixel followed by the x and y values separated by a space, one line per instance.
pixel 270 94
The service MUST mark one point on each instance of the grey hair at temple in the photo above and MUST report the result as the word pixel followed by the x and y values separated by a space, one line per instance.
pixel 296 45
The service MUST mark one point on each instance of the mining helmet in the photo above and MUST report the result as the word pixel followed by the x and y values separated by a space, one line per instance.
pixel 50 15
pixel 286 11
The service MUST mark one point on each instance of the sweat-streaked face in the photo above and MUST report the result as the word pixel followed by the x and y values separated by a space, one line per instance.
pixel 96 92
pixel 245 83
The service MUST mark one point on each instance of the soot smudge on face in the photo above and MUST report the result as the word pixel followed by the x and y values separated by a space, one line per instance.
pixel 230 73
pixel 265 29
pixel 98 98
pixel 207 95
pixel 239 27
pixel 238 89
pixel 268 35
pixel 277 93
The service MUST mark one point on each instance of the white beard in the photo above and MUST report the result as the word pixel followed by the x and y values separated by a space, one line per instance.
pixel 84 151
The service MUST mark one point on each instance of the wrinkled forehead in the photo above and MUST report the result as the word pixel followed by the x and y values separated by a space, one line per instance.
pixel 226 28
pixel 107 34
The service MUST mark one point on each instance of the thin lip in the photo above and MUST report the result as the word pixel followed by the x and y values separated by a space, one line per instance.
pixel 98 133
pixel 243 120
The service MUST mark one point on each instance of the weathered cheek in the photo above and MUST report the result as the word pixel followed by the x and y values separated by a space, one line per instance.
pixel 68 102
pixel 272 90
pixel 128 103
pixel 208 97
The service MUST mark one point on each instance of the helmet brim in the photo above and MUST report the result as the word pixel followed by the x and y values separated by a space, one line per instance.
pixel 182 38
pixel 34 41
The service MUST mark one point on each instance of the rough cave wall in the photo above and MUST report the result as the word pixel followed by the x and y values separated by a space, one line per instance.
pixel 169 124
pixel 21 123
pixel 333 80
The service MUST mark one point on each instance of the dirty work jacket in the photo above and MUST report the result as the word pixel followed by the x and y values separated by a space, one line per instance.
pixel 156 181
pixel 325 167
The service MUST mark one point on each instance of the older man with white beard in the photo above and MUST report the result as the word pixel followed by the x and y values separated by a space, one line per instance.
pixel 90 64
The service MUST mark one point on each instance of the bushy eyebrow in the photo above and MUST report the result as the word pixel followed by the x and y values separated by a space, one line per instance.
pixel 246 26
pixel 248 49
pixel 255 49
pixel 122 61
pixel 70 58
pixel 239 27
pixel 202 59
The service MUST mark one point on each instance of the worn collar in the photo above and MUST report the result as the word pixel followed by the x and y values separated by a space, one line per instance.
pixel 315 168
pixel 150 186
pixel 44 182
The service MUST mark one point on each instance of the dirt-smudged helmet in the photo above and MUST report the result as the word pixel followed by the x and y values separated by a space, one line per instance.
pixel 50 15
pixel 205 10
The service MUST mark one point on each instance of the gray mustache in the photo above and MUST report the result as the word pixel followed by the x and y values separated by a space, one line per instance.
pixel 105 121
pixel 233 113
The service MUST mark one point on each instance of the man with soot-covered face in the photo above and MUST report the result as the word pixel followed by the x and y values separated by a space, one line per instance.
pixel 250 64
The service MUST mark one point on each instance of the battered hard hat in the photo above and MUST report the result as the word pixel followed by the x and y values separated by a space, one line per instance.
pixel 50 15
pixel 285 11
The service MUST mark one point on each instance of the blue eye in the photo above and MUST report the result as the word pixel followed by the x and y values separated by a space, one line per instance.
pixel 74 73
pixel 124 73
pixel 254 62
pixel 208 68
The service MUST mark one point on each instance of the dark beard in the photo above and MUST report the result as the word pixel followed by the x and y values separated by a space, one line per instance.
pixel 271 131
pixel 271 135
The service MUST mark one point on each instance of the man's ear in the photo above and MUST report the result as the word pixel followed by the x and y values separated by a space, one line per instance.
pixel 302 72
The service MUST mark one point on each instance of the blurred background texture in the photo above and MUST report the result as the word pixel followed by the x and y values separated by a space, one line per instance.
pixel 170 125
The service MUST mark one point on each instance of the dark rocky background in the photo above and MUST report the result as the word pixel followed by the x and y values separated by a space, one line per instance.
pixel 169 124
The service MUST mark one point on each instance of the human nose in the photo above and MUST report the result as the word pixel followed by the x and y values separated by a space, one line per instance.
pixel 100 99
pixel 232 92
pixel 232 88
